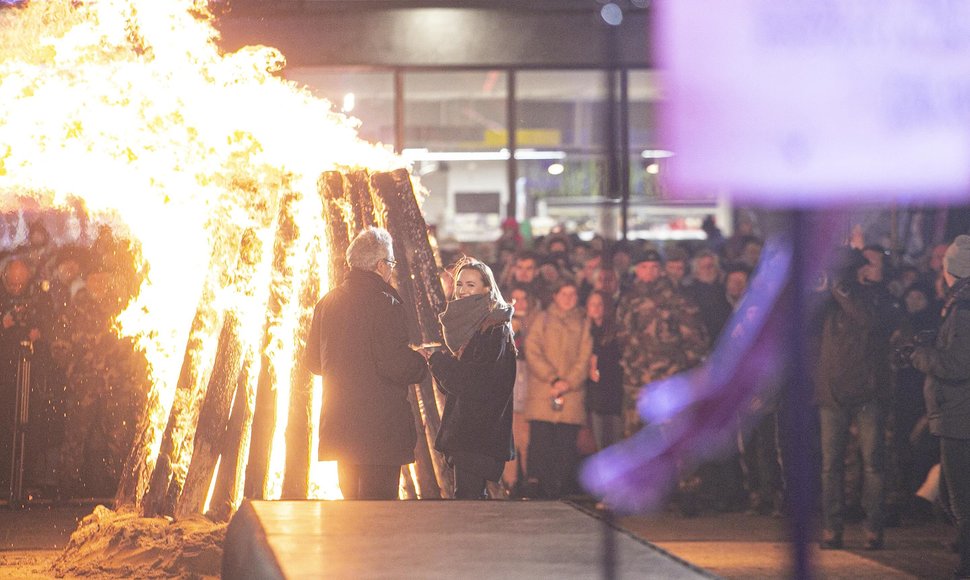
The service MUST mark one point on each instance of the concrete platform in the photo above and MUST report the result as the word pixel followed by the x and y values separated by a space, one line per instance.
pixel 433 539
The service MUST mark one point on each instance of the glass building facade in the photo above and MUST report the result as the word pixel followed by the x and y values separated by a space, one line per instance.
pixel 554 123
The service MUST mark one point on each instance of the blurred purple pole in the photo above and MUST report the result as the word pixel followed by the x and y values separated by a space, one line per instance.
pixel 796 398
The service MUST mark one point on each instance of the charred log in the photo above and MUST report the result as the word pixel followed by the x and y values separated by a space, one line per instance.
pixel 196 366
pixel 227 493
pixel 362 199
pixel 418 282
pixel 299 428
pixel 214 414
pixel 335 223
pixel 264 417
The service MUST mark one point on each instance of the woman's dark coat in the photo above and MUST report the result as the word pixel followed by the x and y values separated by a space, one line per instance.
pixel 358 341
pixel 478 385
pixel 605 397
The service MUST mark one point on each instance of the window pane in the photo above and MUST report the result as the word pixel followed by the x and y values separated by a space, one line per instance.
pixel 455 133
pixel 368 96
pixel 455 111
pixel 561 137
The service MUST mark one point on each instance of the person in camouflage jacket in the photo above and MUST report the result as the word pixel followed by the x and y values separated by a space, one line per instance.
pixel 661 331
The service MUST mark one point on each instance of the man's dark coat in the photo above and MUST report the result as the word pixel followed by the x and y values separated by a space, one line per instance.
pixel 358 341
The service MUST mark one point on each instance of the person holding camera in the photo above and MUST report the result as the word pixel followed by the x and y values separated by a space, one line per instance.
pixel 853 383
pixel 947 392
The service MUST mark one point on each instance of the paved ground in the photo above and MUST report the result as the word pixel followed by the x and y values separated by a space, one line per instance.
pixel 729 545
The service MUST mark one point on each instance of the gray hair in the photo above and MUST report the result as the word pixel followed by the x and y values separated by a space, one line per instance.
pixel 370 247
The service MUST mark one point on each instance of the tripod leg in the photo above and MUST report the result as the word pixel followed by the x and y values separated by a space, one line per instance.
pixel 20 427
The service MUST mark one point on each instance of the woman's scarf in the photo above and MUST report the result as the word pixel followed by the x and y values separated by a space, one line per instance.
pixel 463 317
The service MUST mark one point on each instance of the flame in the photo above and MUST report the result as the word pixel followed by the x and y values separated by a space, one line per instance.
pixel 130 107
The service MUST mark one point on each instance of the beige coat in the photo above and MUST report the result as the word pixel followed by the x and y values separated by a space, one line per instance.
pixel 558 345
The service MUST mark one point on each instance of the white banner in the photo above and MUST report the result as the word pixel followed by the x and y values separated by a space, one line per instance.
pixel 801 102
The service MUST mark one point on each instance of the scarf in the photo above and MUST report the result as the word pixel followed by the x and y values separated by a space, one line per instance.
pixel 463 317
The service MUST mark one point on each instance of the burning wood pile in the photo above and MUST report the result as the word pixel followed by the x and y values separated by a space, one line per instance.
pixel 242 190
pixel 227 416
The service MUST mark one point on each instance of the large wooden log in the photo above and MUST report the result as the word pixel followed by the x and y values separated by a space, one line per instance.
pixel 299 427
pixel 228 491
pixel 362 200
pixel 425 470
pixel 172 462
pixel 137 470
pixel 264 417
pixel 214 414
pixel 212 420
pixel 336 227
pixel 419 282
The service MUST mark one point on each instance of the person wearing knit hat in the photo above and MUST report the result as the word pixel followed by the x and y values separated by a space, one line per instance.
pixel 956 260
pixel 946 364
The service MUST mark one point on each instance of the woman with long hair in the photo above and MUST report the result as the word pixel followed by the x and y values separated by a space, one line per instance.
pixel 477 373
pixel 604 387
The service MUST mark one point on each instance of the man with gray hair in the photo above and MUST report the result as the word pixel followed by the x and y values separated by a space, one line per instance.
pixel 358 341
pixel 947 392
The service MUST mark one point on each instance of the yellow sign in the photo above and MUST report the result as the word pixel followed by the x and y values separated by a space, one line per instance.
pixel 524 138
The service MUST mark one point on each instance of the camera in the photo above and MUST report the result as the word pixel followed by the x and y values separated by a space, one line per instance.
pixel 902 354
pixel 558 403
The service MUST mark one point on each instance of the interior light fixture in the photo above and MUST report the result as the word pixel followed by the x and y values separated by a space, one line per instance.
pixel 556 169
pixel 423 154
pixel 350 101
pixel 656 153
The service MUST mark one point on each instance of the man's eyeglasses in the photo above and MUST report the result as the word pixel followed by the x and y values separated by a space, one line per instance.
pixel 391 263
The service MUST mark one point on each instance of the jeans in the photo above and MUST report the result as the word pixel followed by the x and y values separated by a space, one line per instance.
pixel 761 466
pixel 955 463
pixel 607 429
pixel 834 423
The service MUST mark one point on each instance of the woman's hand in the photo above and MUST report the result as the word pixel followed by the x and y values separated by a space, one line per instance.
pixel 559 388
pixel 594 372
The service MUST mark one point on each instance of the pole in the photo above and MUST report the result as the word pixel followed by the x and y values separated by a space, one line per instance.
pixel 797 401
pixel 21 418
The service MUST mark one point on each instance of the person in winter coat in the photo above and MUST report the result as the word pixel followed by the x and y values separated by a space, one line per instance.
pixel 947 392
pixel 558 351
pixel 604 387
pixel 358 341
pixel 853 384
pixel 477 373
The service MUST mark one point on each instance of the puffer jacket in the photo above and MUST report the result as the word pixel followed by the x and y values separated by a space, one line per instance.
pixel 559 345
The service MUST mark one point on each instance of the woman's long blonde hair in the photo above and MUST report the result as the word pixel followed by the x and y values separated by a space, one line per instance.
pixel 494 294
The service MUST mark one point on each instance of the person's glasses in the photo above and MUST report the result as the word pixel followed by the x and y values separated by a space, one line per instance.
pixel 391 263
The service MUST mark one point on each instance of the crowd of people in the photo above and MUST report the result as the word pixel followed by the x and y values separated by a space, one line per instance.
pixel 596 321
pixel 548 345
pixel 87 386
